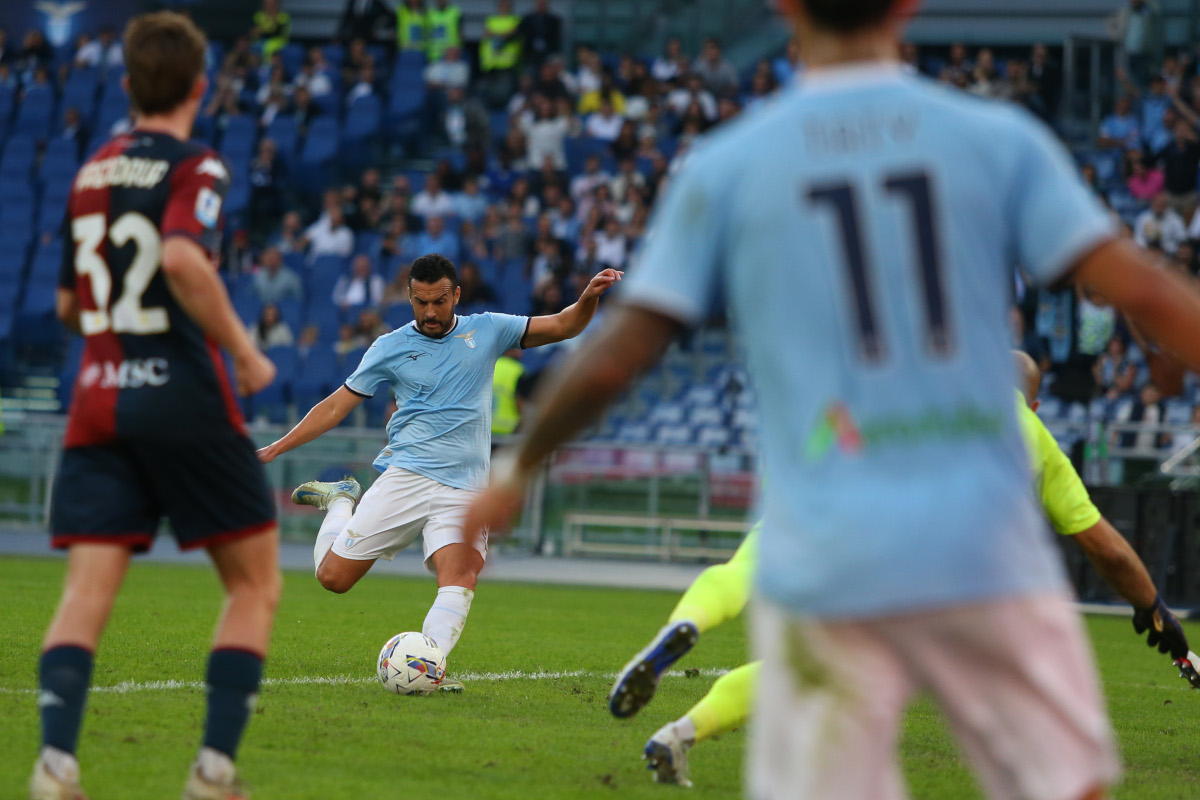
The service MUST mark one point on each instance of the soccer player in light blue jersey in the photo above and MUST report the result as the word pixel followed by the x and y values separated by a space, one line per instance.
pixel 439 440
pixel 863 228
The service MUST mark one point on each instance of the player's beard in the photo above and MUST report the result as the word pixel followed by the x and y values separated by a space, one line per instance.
pixel 439 329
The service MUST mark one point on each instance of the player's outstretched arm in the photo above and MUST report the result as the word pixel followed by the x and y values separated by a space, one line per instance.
pixel 1165 306
pixel 1118 564
pixel 324 416
pixel 570 400
pixel 571 321
pixel 199 290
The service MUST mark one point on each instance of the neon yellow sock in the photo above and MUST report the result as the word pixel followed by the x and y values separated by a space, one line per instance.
pixel 720 592
pixel 727 704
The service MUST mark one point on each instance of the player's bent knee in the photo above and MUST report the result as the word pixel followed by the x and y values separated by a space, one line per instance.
pixel 334 581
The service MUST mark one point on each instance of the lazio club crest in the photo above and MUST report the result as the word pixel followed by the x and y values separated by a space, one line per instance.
pixel 468 337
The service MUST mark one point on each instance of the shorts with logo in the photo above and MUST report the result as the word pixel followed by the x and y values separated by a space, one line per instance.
pixel 400 506
pixel 1014 678
pixel 211 491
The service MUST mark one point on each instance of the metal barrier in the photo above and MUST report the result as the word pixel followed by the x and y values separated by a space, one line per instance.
pixel 669 547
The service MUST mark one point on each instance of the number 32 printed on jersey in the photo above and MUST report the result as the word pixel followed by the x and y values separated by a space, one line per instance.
pixel 127 314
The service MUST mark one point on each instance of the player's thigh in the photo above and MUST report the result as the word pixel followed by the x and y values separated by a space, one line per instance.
pixel 1017 683
pixel 447 513
pixel 388 518
pixel 213 490
pixel 95 571
pixel 249 563
pixel 102 495
pixel 827 711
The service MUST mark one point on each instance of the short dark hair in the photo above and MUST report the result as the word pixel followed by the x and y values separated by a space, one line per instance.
pixel 432 268
pixel 847 16
pixel 164 55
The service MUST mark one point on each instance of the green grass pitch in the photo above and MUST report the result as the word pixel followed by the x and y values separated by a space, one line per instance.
pixel 517 737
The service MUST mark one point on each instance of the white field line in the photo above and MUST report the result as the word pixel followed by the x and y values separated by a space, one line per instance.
pixel 130 687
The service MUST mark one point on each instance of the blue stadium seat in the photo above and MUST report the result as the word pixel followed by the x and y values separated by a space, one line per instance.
pixel 272 401
pixel 398 316
pixel 325 316
pixel 247 307
pixel 8 101
pixel 363 119
pixel 293 57
pixel 19 157
pixel 12 267
pixel 319 374
pixel 47 262
pixel 237 141
pixel 53 208
pixel 80 92
pixel 35 113
pixel 283 131
pixel 406 104
pixel 320 149
pixel 61 160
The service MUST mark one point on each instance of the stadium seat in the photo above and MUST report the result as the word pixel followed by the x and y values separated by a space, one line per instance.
pixel 706 416
pixel 667 414
pixel 320 149
pixel 273 400
pixel 61 160
pixel 247 307
pixel 293 57
pixel 325 316
pixel 19 157
pixel 283 131
pixel 237 140
pixel 362 120
pixel 712 436
pixel 8 101
pixel 47 262
pixel 35 113
pixel 80 92
pixel 319 374
pixel 398 316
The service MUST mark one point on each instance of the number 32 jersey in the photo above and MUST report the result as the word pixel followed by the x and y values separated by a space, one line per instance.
pixel 148 370
pixel 864 230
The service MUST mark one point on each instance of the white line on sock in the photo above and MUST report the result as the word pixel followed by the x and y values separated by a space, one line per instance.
pixel 129 687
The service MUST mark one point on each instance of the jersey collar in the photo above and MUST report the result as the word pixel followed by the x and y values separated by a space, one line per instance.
pixel 849 76
pixel 416 332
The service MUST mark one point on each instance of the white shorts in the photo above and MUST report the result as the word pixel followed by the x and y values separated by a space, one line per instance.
pixel 1014 678
pixel 399 506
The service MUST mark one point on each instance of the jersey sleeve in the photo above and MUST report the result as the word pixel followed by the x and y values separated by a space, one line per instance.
pixel 197 193
pixel 677 269
pixel 510 331
pixel 1054 218
pixel 1064 497
pixel 372 371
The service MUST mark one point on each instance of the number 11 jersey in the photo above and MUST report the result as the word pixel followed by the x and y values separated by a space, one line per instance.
pixel 864 230
pixel 148 370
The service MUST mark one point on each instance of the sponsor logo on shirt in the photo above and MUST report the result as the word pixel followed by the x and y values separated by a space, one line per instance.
pixel 838 428
pixel 130 374
pixel 208 207
pixel 468 337
pixel 414 356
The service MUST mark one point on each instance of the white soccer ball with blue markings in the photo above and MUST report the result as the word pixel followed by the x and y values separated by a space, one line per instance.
pixel 411 663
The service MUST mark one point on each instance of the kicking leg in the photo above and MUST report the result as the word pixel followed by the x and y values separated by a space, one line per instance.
pixel 339 500
pixel 94 575
pixel 249 570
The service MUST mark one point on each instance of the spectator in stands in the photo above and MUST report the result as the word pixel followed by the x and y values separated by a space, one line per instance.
pixel 627 176
pixel 958 62
pixel 1154 102
pixel 314 74
pixel 1046 75
pixel 513 238
pixel 693 92
pixel 310 335
pixel 545 135
pixel 550 81
pixel 329 235
pixel 1115 372
pixel 785 68
pixel 361 18
pixel 986 80
pixel 433 200
pixel 470 204
pixel 240 57
pixel 363 87
pixel 412 27
pixel 465 121
pixel 564 223
pixel 1159 226
pixel 35 52
pixel 277 81
pixel 272 27
pixel 762 85
pixel 522 195
pixel 266 177
pixel 671 64
pixel 396 239
pixel 1120 129
pixel 589 102
pixel 472 287
pixel 223 105
pixel 1181 164
pixel 396 292
pixel 347 341
pixel 362 287
pixel 1142 176
pixel 588 71
pixel 449 73
pixel 290 238
pixel 437 239
pixel 719 75
pixel 238 258
pixel 74 130
pixel 605 124
pixel 275 282
pixel 500 52
pixel 548 265
pixel 541 32
pixel 1138 27
pixel 271 330
pixel 611 245
pixel 444 21
pixel 1022 90
pixel 7 78
pixel 626 144
pixel 369 327
pixel 910 60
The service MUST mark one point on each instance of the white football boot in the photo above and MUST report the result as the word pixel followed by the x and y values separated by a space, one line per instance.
pixel 450 685
pixel 45 785
pixel 667 755
pixel 202 787
pixel 320 494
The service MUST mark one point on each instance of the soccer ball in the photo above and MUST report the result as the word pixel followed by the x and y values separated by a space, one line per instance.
pixel 410 663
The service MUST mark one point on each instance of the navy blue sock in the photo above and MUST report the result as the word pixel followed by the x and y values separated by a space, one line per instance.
pixel 64 673
pixel 233 678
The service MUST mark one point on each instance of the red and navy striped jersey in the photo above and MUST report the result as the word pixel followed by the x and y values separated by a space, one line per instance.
pixel 148 370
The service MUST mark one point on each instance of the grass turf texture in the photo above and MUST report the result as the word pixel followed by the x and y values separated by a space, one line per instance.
pixel 517 738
